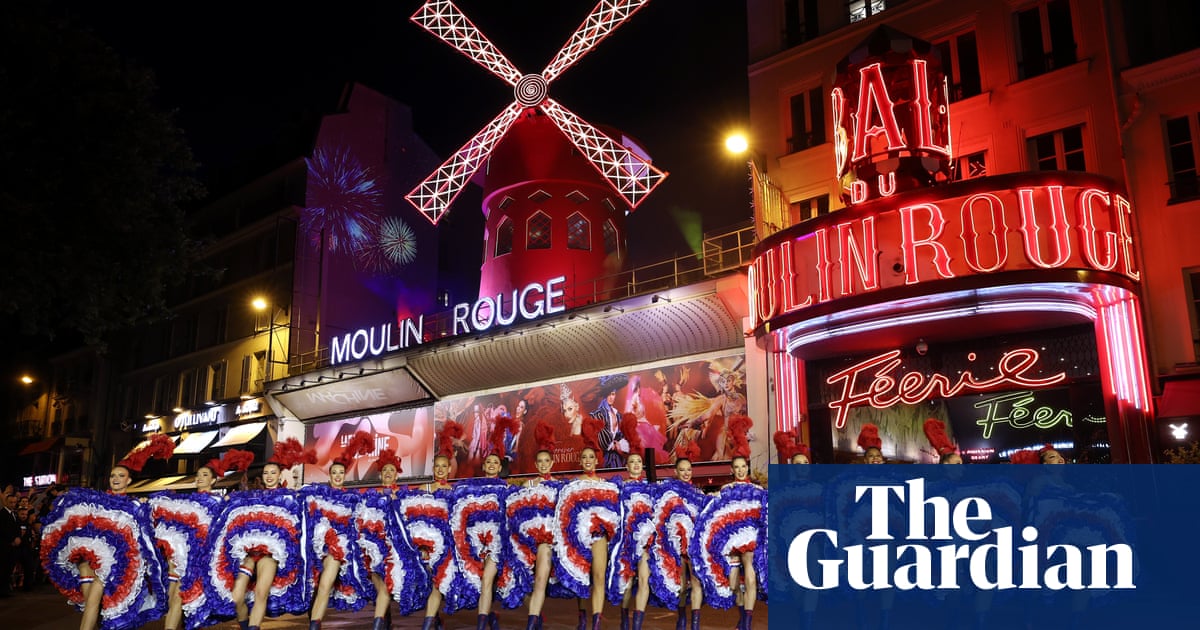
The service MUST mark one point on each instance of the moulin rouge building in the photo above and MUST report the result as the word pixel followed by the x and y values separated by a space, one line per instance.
pixel 1008 306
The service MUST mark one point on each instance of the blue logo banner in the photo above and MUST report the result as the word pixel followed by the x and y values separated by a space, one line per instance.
pixel 983 546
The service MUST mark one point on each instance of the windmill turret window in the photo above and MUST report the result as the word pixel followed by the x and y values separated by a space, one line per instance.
pixel 579 232
pixel 611 243
pixel 504 237
pixel 538 236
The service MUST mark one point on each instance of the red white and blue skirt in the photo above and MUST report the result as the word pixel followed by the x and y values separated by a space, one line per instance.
pixel 113 535
pixel 426 518
pixel 588 510
pixel 182 523
pixel 255 524
pixel 731 524
pixel 329 531
pixel 633 538
pixel 675 510
pixel 479 526
pixel 388 552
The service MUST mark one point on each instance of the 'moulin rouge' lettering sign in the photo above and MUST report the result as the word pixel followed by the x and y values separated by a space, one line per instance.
pixel 981 228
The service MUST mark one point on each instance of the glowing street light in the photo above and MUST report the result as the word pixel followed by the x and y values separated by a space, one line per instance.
pixel 736 143
pixel 27 379
pixel 259 304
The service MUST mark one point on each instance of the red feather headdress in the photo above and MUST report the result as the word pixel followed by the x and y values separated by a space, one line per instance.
pixel 451 431
pixel 290 452
pixel 388 456
pixel 360 444
pixel 1025 457
pixel 629 426
pixel 789 445
pixel 868 437
pixel 233 459
pixel 739 433
pixel 935 432
pixel 160 447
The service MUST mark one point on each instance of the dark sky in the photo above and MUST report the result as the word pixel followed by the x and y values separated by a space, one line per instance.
pixel 250 79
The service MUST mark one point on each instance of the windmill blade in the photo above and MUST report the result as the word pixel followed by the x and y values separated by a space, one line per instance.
pixel 434 195
pixel 631 176
pixel 447 23
pixel 602 21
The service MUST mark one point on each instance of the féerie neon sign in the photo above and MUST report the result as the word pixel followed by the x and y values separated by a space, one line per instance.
pixel 884 389
pixel 1020 411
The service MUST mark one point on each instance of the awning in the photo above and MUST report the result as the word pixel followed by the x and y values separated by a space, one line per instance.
pixel 1180 399
pixel 41 447
pixel 241 434
pixel 195 442
pixel 154 485
pixel 144 443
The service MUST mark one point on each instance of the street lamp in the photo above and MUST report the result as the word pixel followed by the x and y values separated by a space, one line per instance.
pixel 261 304
pixel 27 379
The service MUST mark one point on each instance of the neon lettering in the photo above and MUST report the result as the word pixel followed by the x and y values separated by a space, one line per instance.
pixel 909 241
pixel 884 390
pixel 1087 227
pixel 1031 229
pixel 873 99
pixel 863 258
pixel 997 233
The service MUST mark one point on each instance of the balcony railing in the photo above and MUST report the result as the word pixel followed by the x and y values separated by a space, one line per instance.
pixel 721 253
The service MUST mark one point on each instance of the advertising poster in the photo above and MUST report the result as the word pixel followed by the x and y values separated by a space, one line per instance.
pixel 409 432
pixel 679 405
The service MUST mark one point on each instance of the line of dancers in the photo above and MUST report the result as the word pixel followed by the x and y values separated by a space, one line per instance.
pixel 482 544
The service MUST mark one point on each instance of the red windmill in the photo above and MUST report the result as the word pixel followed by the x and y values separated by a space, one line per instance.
pixel 546 181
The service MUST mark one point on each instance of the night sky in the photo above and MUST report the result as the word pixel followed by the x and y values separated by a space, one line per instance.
pixel 251 79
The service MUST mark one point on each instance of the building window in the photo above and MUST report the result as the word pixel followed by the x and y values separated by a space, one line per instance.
pixel 808 120
pixel 259 360
pixel 611 244
pixel 1193 294
pixel 216 381
pixel 960 62
pixel 860 10
pixel 1045 38
pixel 1181 158
pixel 579 232
pixel 539 231
pixel 970 166
pixel 247 371
pixel 809 208
pixel 1060 150
pixel 187 389
pixel 800 22
pixel 504 237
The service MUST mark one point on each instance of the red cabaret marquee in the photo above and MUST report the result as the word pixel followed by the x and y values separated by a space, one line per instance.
pixel 973 232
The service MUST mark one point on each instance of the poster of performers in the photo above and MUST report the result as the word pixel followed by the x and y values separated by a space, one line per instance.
pixel 409 432
pixel 679 405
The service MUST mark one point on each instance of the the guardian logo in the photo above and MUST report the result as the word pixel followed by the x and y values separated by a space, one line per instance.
pixel 950 552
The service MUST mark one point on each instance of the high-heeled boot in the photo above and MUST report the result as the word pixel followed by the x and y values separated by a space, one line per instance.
pixel 747 619
pixel 741 615
pixel 681 619
pixel 314 624
pixel 582 620
pixel 624 619
pixel 243 624
pixel 638 618
pixel 493 621
pixel 429 623
pixel 533 622
pixel 596 621
pixel 379 623
pixel 481 622
pixel 695 620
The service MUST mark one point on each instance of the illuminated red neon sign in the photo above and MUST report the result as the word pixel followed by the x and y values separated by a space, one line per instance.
pixel 1039 224
pixel 873 382
pixel 891 118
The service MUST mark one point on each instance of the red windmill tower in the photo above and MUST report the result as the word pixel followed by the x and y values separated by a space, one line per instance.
pixel 549 197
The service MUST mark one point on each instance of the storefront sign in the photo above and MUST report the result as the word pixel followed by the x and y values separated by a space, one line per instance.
pixel 1041 223
pixel 40 480
pixel 875 382
pixel 202 418
pixel 531 302
pixel 248 407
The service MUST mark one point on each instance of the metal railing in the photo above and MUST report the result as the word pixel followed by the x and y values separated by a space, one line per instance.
pixel 721 253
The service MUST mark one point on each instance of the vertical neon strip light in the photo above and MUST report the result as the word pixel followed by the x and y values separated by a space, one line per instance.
pixel 1121 325
pixel 787 392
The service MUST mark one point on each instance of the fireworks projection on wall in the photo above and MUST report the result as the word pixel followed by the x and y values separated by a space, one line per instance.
pixel 344 202
pixel 630 175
